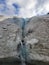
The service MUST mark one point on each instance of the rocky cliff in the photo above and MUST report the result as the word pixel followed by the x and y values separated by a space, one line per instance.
pixel 10 33
pixel 36 37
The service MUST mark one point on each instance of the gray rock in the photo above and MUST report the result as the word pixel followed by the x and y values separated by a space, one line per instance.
pixel 9 33
pixel 36 37
pixel 32 41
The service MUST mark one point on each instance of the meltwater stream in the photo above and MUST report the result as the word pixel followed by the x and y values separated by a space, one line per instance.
pixel 22 45
pixel 23 53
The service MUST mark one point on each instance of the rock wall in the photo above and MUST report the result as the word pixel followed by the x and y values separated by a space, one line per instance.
pixel 10 34
pixel 36 37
